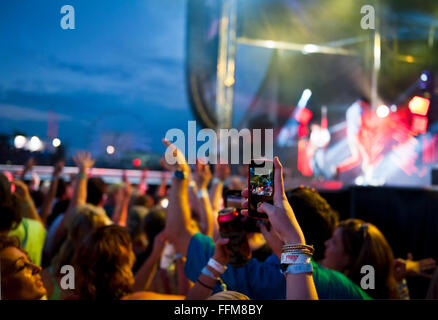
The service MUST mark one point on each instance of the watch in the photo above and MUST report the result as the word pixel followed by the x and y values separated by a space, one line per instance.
pixel 180 174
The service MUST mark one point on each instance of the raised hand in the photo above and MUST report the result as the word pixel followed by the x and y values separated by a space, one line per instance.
pixel 221 253
pixel 280 214
pixel 22 190
pixel 29 164
pixel 400 271
pixel 221 171
pixel 84 161
pixel 174 159
pixel 57 169
pixel 127 190
pixel 419 267
pixel 202 175
pixel 159 243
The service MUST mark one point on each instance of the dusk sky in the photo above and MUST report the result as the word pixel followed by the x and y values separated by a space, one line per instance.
pixel 120 71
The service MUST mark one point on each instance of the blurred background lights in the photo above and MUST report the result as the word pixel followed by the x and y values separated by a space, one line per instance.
pixel 20 141
pixel 110 149
pixel 56 142
pixel 35 144
pixel 382 111
pixel 424 77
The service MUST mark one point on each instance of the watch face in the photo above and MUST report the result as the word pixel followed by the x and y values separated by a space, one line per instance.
pixel 180 174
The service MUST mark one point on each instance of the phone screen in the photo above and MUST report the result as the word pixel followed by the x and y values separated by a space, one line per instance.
pixel 260 186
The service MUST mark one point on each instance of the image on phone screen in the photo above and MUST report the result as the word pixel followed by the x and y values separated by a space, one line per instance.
pixel 260 186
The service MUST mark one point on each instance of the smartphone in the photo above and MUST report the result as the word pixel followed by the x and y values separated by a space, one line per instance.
pixel 260 186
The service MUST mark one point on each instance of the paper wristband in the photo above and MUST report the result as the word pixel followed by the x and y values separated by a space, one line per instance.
pixel 208 273
pixel 192 184
pixel 291 258
pixel 216 266
pixel 299 268
pixel 202 193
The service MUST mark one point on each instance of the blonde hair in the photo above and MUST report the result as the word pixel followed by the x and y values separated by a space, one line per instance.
pixel 228 295
pixel 84 222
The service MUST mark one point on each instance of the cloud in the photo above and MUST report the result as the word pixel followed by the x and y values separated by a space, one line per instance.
pixel 18 113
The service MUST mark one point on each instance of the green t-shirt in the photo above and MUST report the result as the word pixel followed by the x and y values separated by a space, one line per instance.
pixel 331 284
pixel 32 235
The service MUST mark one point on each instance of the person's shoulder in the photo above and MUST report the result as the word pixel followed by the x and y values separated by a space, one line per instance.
pixel 202 238
pixel 33 224
pixel 338 282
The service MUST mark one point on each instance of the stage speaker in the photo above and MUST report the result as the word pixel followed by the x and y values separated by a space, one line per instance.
pixel 435 176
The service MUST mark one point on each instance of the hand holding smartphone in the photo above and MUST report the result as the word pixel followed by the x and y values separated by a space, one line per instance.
pixel 260 186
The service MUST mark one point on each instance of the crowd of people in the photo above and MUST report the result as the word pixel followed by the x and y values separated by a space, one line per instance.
pixel 86 240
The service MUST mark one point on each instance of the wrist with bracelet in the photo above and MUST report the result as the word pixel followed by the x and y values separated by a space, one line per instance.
pixel 213 270
pixel 81 175
pixel 217 180
pixel 202 193
pixel 296 258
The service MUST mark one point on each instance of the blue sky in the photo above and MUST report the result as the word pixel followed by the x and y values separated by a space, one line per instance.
pixel 119 73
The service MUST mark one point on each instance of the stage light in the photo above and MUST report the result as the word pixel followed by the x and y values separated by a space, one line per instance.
pixel 270 44
pixel 307 93
pixel 35 144
pixel 303 116
pixel 419 105
pixel 382 111
pixel 426 81
pixel 19 141
pixel 110 149
pixel 136 162
pixel 393 108
pixel 424 77
pixel 419 124
pixel 56 142
pixel 310 48
pixel 305 96
pixel 164 203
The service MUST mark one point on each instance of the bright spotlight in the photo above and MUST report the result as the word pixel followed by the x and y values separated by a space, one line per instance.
pixel 35 144
pixel 19 141
pixel 305 96
pixel 307 93
pixel 310 48
pixel 270 44
pixel 382 111
pixel 424 77
pixel 393 108
pixel 419 105
pixel 164 203
pixel 110 149
pixel 56 142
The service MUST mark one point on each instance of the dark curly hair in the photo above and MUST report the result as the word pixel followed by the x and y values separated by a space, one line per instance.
pixel 7 241
pixel 10 216
pixel 315 216
pixel 103 262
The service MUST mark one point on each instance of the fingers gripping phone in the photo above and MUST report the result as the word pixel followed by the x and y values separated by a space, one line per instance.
pixel 260 186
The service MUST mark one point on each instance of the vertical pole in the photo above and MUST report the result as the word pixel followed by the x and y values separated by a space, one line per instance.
pixel 226 64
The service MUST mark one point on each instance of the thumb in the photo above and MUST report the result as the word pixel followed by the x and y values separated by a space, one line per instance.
pixel 266 208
